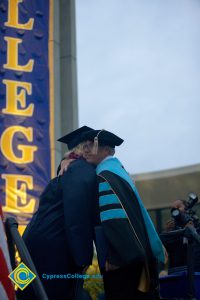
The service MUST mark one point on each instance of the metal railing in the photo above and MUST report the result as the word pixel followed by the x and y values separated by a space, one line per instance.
pixel 14 239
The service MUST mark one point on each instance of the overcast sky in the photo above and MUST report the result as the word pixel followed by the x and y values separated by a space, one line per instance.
pixel 139 77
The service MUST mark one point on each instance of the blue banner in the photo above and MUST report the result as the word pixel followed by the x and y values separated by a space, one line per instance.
pixel 25 104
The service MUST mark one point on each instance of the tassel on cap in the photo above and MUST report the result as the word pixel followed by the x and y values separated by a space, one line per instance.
pixel 96 143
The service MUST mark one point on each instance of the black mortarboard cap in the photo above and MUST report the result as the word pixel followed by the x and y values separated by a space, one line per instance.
pixel 74 138
pixel 104 137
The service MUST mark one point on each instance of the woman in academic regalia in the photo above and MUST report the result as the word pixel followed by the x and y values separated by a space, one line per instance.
pixel 60 234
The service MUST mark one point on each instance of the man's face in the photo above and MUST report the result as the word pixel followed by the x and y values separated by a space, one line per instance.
pixel 179 205
pixel 93 158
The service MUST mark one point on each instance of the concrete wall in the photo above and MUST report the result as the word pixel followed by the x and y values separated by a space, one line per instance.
pixel 160 189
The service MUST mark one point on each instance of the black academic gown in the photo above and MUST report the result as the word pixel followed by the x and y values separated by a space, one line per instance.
pixel 60 235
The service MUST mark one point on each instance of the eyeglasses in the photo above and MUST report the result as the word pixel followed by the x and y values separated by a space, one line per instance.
pixel 88 146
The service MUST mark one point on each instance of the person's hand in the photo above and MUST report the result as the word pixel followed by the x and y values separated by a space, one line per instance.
pixel 163 273
pixel 170 225
pixel 189 224
pixel 64 165
pixel 109 267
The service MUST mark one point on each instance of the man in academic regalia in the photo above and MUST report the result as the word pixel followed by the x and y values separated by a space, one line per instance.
pixel 60 234
pixel 131 245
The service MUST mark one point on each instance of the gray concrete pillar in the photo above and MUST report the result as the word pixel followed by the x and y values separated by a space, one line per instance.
pixel 56 81
pixel 65 73
pixel 68 67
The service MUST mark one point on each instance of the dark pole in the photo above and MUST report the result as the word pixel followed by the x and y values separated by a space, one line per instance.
pixel 14 238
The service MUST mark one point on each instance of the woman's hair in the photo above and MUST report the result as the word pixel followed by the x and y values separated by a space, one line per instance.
pixel 78 150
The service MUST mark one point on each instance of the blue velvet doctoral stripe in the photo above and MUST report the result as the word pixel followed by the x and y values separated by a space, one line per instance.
pixel 104 186
pixel 117 213
pixel 108 199
pixel 114 165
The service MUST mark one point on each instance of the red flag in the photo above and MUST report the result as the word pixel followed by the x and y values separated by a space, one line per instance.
pixel 6 287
